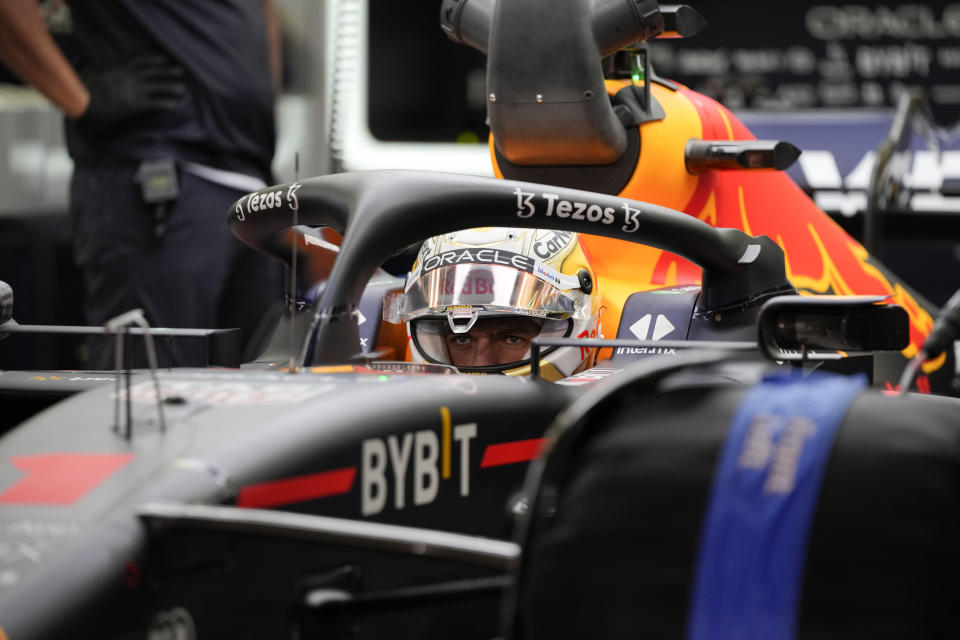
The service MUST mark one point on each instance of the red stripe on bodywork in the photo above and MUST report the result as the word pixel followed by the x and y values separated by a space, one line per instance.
pixel 496 455
pixel 61 478
pixel 298 489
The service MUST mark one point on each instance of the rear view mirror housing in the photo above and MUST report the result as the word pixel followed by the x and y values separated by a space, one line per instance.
pixel 801 327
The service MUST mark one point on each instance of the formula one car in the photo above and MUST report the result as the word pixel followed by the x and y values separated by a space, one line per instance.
pixel 329 493
pixel 223 481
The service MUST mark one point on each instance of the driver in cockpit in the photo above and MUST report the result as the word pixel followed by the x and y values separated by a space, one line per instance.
pixel 475 299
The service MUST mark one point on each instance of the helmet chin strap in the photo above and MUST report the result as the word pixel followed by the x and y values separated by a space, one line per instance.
pixel 462 319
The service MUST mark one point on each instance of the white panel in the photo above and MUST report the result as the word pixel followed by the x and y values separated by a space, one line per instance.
pixel 352 145
pixel 820 170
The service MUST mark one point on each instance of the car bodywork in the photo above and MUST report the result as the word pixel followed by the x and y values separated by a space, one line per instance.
pixel 98 507
pixel 270 499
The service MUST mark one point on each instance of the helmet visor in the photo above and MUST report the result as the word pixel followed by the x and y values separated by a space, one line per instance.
pixel 491 288
pixel 492 343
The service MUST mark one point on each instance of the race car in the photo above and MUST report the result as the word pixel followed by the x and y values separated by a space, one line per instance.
pixel 126 511
pixel 327 492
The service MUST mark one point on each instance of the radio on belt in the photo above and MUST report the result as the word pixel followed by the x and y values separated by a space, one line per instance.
pixel 159 187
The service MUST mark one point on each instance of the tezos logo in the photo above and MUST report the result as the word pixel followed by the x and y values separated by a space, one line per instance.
pixel 554 206
pixel 262 201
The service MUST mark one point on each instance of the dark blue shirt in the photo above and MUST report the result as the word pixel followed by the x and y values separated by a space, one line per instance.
pixel 226 120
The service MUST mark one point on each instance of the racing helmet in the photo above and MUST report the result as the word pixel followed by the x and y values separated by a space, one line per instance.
pixel 475 298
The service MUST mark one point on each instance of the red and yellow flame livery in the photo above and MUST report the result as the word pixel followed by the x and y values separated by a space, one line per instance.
pixel 821 258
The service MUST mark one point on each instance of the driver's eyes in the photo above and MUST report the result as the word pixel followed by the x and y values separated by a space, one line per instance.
pixel 514 339
pixel 461 341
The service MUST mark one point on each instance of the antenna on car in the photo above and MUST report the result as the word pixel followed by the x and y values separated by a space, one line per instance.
pixel 120 325
pixel 293 269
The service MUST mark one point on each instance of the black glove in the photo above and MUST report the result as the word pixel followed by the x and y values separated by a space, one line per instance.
pixel 143 85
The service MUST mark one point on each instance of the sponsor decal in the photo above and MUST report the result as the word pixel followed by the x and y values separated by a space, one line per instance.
pixel 292 201
pixel 414 464
pixel 474 287
pixel 266 200
pixel 425 250
pixel 587 334
pixel 548 274
pixel 646 351
pixel 551 205
pixel 479 256
pixel 399 470
pixel 576 210
pixel 662 327
pixel 631 222
pixel 525 208
pixel 238 209
pixel 61 478
pixel 550 243
pixel 480 282
pixel 263 201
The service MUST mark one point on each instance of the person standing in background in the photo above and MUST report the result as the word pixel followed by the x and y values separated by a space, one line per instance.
pixel 169 111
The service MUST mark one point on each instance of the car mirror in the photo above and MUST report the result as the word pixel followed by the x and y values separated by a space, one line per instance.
pixel 792 327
